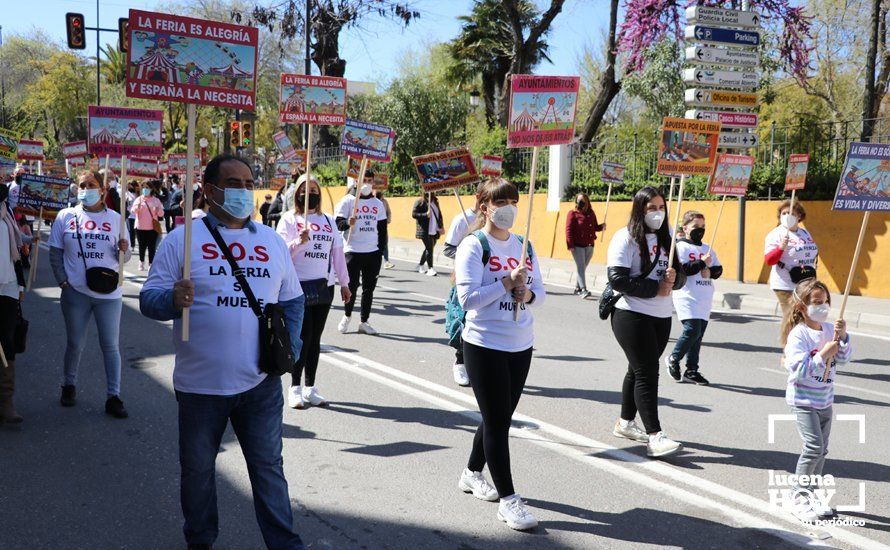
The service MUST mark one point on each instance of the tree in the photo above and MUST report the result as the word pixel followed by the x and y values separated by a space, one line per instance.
pixel 57 101
pixel 114 68
pixel 523 48
pixel 480 55
pixel 874 91
pixel 659 84
pixel 647 22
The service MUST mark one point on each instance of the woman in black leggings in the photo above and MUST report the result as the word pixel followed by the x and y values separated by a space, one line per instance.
pixel 641 321
pixel 491 285
pixel 428 216
pixel 317 252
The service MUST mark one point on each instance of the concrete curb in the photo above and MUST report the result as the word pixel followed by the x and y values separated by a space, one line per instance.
pixel 740 302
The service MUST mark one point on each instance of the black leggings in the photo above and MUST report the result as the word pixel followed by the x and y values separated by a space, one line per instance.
pixel 364 266
pixel 314 319
pixel 498 378
pixel 429 243
pixel 643 339
pixel 148 240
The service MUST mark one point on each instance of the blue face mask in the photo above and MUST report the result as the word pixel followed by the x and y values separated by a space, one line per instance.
pixel 238 202
pixel 89 197
pixel 146 192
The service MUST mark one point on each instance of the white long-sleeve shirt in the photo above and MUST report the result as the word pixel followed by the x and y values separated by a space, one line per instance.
pixel 806 369
pixel 488 304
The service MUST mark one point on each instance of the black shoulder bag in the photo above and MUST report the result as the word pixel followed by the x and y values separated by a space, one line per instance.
pixel 99 279
pixel 609 297
pixel 276 354
pixel 317 291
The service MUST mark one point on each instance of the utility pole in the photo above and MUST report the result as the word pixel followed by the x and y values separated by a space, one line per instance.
pixel 307 69
pixel 98 62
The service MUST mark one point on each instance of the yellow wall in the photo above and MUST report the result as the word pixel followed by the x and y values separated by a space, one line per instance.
pixel 834 232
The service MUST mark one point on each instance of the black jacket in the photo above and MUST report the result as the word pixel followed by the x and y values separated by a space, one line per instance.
pixel 421 214
pixel 692 268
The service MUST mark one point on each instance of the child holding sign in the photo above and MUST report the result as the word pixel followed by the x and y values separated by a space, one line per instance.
pixel 811 344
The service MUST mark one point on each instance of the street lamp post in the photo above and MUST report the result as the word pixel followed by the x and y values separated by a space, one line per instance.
pixel 217 133
pixel 203 143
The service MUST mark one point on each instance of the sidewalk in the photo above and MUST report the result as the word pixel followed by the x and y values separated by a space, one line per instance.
pixel 866 314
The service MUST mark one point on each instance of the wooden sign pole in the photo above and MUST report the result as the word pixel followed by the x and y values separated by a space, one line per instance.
pixel 123 212
pixel 717 225
pixel 528 219
pixel 3 358
pixel 460 205
pixel 608 199
pixel 187 208
pixel 33 271
pixel 676 221
pixel 361 177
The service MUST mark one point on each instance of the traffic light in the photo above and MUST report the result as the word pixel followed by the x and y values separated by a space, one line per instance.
pixel 235 133
pixel 123 41
pixel 246 133
pixel 74 26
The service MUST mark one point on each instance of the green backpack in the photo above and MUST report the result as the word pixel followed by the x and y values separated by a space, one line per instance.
pixel 455 316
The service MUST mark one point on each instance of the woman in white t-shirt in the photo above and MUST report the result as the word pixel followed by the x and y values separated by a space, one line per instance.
pixel 791 253
pixel 693 302
pixel 87 237
pixel 497 349
pixel 317 253
pixel 641 321
pixel 428 215
pixel 364 229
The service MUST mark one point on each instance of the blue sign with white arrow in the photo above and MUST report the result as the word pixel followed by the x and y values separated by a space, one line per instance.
pixel 725 37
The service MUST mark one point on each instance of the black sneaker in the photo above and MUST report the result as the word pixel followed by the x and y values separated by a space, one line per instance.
pixel 115 407
pixel 694 377
pixel 68 398
pixel 673 369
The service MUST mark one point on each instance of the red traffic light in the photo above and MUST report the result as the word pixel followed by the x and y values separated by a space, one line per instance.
pixel 74 29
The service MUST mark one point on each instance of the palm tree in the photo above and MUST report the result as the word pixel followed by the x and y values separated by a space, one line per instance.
pixel 114 68
pixel 482 52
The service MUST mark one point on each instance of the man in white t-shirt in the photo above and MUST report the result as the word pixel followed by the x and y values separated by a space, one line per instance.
pixel 217 377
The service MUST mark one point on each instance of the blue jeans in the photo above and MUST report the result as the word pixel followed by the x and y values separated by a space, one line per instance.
pixel 814 426
pixel 689 343
pixel 256 419
pixel 76 309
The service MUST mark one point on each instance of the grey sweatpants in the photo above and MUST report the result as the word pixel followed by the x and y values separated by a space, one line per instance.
pixel 582 256
pixel 814 426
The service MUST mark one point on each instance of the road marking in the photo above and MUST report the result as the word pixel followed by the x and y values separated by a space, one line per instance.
pixel 845 386
pixel 606 453
pixel 578 448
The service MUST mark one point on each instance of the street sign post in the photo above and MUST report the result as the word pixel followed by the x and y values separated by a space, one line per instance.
pixel 724 98
pixel 727 119
pixel 737 140
pixel 710 55
pixel 701 15
pixel 724 37
pixel 723 79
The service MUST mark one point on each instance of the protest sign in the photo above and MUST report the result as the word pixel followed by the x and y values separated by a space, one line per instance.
pixel 284 144
pixel 865 181
pixel 284 169
pixel 30 149
pixel 731 175
pixel 796 177
pixel 380 182
pixel 542 110
pixel 43 192
pixel 9 143
pixel 445 170
pixel 366 139
pixel 74 149
pixel 7 167
pixel 142 168
pixel 688 147
pixel 308 99
pixel 77 161
pixel 187 60
pixel 119 131
pixel 163 167
pixel 492 165
pixel 176 163
pixel 612 172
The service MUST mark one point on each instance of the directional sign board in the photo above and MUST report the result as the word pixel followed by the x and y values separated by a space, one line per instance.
pixel 726 98
pixel 727 119
pixel 719 17
pixel 724 37
pixel 737 140
pixel 723 79
pixel 709 55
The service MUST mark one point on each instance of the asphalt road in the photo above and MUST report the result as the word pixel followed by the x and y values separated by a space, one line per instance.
pixel 379 467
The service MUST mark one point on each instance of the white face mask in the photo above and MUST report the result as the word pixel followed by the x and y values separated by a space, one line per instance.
pixel 112 184
pixel 365 189
pixel 504 216
pixel 788 221
pixel 654 219
pixel 818 313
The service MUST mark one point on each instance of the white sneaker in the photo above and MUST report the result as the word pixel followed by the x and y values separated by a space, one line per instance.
pixel 343 326
pixel 460 374
pixel 821 509
pixel 629 431
pixel 421 269
pixel 431 272
pixel 295 397
pixel 513 512
pixel 365 328
pixel 584 294
pixel 804 511
pixel 475 482
pixel 141 266
pixel 388 265
pixel 661 445
pixel 311 396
